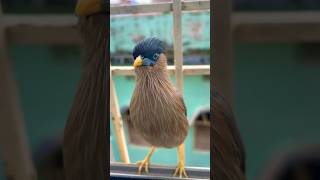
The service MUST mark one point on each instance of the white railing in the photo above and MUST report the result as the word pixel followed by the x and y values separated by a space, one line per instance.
pixel 161 7
pixel 246 26
pixel 187 70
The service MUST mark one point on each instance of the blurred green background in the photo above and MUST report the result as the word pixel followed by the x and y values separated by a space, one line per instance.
pixel 276 99
pixel 276 86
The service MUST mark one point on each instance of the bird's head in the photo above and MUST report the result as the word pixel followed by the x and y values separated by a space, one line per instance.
pixel 147 52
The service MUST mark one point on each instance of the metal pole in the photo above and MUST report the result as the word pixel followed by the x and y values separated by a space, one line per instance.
pixel 177 46
pixel 118 123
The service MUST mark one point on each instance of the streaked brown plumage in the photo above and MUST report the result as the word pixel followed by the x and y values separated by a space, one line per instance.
pixel 85 145
pixel 157 110
pixel 227 147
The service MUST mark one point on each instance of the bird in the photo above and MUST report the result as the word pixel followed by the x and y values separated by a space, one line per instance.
pixel 157 109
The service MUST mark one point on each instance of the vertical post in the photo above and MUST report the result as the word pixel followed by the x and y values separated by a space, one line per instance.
pixel 222 48
pixel 177 45
pixel 117 122
pixel 13 138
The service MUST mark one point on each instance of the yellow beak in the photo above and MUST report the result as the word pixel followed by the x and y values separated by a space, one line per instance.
pixel 137 62
pixel 88 7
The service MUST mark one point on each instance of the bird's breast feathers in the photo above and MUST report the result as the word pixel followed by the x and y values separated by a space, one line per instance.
pixel 158 113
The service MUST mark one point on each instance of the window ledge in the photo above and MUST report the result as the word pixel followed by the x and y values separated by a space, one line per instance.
pixel 125 171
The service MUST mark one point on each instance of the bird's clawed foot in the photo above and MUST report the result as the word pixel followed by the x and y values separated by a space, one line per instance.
pixel 146 161
pixel 142 163
pixel 181 170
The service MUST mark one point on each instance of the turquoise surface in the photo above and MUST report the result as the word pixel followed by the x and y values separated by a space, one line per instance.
pixel 276 101
pixel 47 78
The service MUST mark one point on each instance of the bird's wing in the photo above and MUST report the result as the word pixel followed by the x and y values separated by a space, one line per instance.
pixel 125 113
pixel 182 101
pixel 127 116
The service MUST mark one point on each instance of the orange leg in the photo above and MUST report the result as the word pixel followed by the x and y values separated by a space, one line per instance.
pixel 146 161
pixel 181 164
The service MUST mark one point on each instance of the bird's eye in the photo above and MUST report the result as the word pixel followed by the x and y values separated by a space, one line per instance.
pixel 155 56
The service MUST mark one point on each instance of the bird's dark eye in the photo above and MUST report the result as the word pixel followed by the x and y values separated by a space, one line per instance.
pixel 156 56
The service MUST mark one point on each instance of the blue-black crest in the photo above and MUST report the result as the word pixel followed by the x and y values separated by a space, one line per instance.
pixel 149 49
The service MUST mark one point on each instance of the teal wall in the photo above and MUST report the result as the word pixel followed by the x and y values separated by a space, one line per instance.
pixel 276 100
pixel 47 78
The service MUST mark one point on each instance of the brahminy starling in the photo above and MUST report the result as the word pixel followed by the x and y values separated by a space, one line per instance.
pixel 157 109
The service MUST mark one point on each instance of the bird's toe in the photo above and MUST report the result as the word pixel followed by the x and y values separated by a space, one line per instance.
pixel 142 164
pixel 180 170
